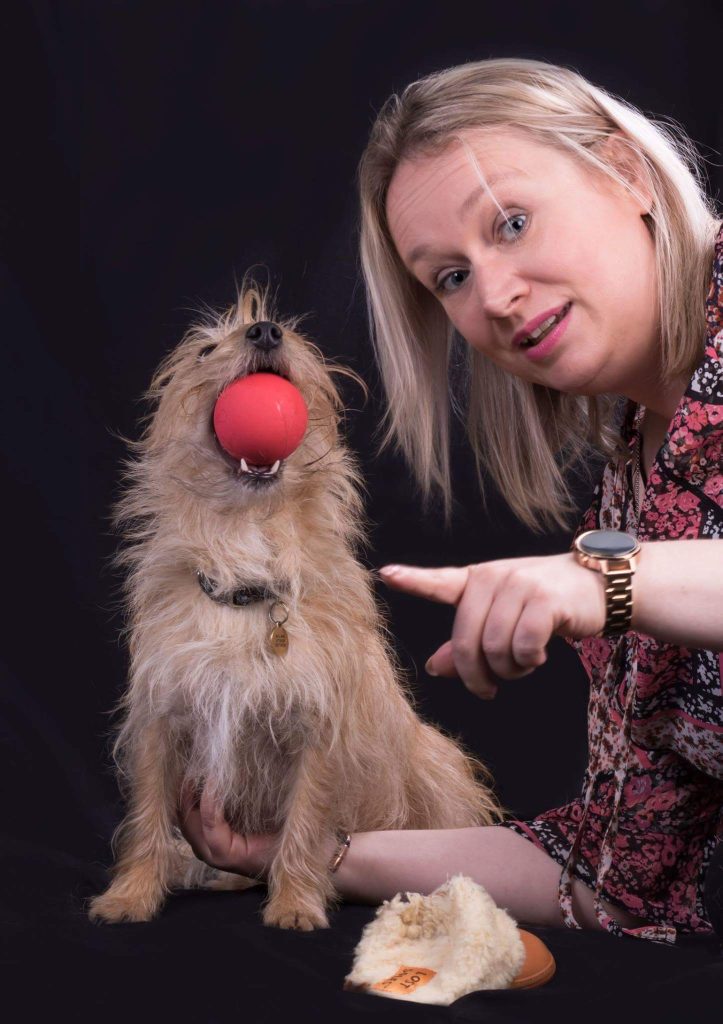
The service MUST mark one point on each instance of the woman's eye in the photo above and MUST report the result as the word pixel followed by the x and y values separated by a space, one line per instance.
pixel 510 222
pixel 206 351
pixel 440 285
pixel 514 224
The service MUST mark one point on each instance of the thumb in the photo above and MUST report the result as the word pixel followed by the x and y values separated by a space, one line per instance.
pixel 211 811
pixel 441 662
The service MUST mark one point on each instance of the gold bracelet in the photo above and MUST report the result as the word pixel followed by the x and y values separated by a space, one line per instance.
pixel 345 841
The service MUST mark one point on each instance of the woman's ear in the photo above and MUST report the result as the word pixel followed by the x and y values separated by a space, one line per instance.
pixel 622 153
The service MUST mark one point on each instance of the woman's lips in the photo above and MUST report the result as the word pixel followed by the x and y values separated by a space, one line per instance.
pixel 541 349
pixel 521 336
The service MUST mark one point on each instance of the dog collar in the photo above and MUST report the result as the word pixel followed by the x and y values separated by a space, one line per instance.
pixel 236 598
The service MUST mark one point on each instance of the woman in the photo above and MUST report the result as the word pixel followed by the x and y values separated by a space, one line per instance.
pixel 565 243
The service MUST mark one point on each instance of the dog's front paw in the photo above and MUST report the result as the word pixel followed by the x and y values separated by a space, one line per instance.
pixel 281 914
pixel 123 901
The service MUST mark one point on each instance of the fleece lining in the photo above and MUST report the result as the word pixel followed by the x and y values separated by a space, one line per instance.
pixel 437 948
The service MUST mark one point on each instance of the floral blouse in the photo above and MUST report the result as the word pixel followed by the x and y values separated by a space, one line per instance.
pixel 651 811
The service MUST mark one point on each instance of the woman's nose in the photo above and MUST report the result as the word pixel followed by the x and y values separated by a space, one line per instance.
pixel 500 288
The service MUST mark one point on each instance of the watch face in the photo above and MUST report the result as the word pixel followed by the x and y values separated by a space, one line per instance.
pixel 607 543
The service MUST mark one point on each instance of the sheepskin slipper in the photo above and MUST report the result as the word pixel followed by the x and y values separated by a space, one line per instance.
pixel 437 948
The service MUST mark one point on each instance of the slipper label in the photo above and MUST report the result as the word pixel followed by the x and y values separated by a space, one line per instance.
pixel 405 980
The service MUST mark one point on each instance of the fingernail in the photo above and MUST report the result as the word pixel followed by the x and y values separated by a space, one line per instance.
pixel 429 667
pixel 389 570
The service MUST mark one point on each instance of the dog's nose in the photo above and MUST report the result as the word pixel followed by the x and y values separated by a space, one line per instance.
pixel 264 335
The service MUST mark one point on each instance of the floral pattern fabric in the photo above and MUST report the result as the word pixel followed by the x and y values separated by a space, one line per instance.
pixel 642 833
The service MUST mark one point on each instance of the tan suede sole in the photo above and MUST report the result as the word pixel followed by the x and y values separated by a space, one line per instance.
pixel 539 965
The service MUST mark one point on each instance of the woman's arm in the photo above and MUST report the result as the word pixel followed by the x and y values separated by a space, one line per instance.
pixel 508 609
pixel 678 593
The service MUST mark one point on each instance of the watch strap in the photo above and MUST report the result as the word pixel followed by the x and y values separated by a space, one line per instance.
pixel 618 576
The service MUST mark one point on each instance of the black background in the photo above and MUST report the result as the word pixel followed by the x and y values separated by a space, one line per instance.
pixel 153 152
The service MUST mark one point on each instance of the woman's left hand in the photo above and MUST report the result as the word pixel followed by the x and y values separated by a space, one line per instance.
pixel 205 829
pixel 507 611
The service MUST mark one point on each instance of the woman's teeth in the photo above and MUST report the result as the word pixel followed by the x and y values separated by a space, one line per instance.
pixel 535 336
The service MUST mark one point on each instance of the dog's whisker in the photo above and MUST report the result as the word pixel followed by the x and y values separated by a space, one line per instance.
pixel 322 456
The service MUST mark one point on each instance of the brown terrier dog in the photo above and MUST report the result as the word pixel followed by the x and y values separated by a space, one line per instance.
pixel 324 737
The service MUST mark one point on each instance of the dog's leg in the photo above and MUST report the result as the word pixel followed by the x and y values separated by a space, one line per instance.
pixel 300 884
pixel 144 838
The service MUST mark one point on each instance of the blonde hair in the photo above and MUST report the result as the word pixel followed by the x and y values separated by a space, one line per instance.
pixel 424 370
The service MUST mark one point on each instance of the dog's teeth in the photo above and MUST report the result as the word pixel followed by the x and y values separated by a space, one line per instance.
pixel 259 471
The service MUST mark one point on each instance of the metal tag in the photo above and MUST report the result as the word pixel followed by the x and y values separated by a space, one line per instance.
pixel 279 640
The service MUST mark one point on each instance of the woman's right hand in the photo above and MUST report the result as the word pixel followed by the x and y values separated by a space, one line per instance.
pixel 212 840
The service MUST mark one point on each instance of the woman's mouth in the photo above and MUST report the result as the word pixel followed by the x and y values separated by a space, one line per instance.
pixel 545 337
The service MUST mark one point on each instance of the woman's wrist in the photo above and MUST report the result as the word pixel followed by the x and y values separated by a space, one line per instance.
pixel 259 853
pixel 260 849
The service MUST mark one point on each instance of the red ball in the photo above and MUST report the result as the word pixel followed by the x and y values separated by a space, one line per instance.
pixel 260 418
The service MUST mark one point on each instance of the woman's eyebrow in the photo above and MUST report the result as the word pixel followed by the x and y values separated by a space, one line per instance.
pixel 423 251
pixel 479 190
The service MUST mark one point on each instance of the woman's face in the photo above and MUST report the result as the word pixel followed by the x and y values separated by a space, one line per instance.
pixel 562 236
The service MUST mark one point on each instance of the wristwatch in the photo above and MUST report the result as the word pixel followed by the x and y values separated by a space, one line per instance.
pixel 615 555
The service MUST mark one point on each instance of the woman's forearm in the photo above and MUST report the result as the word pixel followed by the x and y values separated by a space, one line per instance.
pixel 517 874
pixel 380 864
pixel 678 593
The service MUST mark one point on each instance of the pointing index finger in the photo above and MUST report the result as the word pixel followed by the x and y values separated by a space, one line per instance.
pixel 445 585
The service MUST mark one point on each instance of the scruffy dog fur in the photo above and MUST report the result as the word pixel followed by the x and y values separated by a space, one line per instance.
pixel 320 738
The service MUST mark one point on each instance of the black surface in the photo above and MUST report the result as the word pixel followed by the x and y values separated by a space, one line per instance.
pixel 209 958
pixel 152 153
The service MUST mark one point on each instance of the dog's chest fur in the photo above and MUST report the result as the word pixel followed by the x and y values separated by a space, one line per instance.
pixel 253 755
